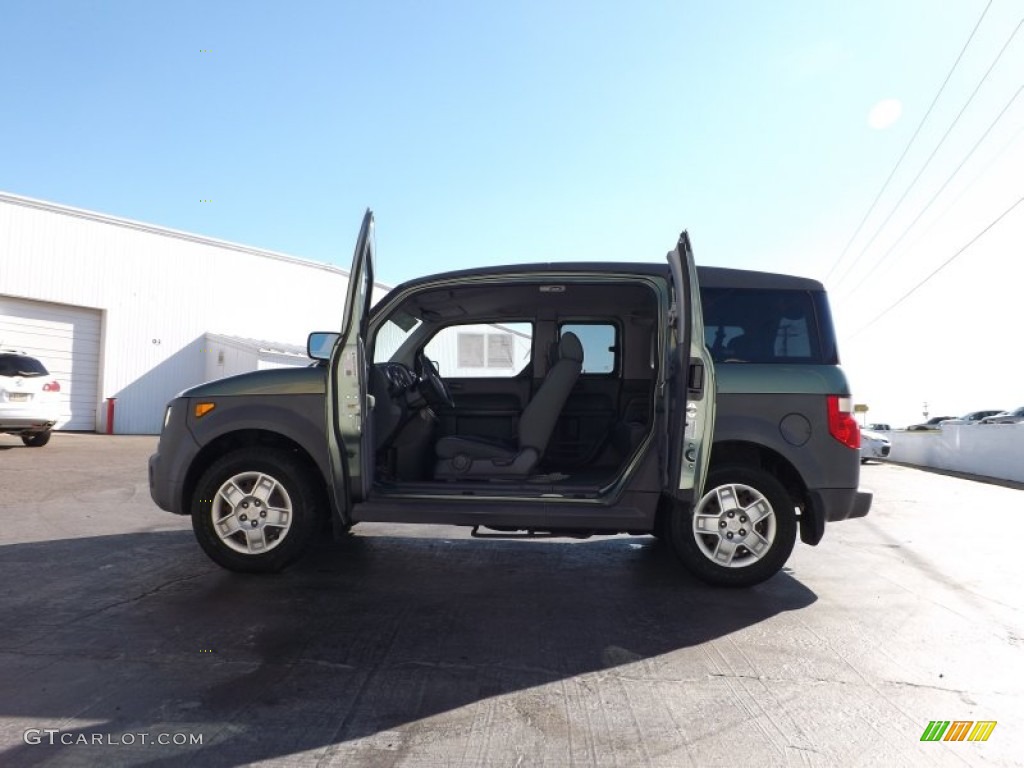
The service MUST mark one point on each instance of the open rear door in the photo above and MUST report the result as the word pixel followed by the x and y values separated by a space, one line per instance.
pixel 349 434
pixel 690 381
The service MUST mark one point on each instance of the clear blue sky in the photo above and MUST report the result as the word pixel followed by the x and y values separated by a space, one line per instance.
pixel 486 133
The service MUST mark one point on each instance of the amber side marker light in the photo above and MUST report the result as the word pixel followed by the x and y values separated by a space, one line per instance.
pixel 202 409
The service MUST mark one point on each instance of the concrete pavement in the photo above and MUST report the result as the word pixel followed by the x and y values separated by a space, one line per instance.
pixel 417 646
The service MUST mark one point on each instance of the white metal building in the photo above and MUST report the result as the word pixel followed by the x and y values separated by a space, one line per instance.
pixel 117 308
pixel 230 355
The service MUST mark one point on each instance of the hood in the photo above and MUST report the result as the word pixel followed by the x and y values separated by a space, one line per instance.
pixel 310 380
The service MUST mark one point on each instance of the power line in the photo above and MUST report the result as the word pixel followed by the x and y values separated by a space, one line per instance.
pixel 938 146
pixel 939 192
pixel 938 269
pixel 906 149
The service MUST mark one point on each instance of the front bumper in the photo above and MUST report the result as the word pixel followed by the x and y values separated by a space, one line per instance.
pixel 875 451
pixel 168 467
pixel 160 490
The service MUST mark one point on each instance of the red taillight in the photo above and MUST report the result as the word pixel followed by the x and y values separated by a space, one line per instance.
pixel 841 424
pixel 51 386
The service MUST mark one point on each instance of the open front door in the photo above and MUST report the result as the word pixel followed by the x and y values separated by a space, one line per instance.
pixel 349 437
pixel 690 382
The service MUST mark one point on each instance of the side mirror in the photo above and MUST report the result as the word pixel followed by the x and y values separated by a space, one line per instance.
pixel 319 344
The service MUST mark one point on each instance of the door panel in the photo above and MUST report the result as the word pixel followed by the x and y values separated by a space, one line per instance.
pixel 636 401
pixel 350 428
pixel 690 389
pixel 585 425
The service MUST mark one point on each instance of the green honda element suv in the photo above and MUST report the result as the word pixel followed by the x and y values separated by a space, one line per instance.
pixel 573 399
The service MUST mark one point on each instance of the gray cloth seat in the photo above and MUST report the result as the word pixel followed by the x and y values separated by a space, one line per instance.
pixel 464 456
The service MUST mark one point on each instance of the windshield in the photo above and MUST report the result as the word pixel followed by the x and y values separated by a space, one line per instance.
pixel 393 334
pixel 21 365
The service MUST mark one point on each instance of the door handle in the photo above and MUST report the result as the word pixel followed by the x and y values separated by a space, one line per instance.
pixel 696 375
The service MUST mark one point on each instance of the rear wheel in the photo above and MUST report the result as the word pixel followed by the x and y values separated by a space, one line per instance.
pixel 36 439
pixel 740 532
pixel 255 510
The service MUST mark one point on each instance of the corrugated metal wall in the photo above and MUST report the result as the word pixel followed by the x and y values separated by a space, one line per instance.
pixel 161 292
pixel 229 356
pixel 221 359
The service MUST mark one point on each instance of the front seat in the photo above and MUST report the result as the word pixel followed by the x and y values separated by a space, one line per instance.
pixel 480 457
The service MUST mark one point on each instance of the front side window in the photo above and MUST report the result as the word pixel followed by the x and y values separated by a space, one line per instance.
pixel 482 350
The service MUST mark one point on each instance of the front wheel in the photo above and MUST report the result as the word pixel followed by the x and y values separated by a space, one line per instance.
pixel 255 510
pixel 741 531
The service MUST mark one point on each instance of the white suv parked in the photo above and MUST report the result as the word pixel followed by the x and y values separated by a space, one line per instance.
pixel 29 399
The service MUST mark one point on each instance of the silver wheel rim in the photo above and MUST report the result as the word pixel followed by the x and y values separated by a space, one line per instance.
pixel 251 513
pixel 734 525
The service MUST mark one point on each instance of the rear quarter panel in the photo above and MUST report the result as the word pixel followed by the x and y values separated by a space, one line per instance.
pixel 783 408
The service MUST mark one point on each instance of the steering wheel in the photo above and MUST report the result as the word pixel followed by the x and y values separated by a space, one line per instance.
pixel 431 384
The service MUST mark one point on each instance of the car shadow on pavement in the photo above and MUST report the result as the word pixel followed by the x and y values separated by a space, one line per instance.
pixel 141 634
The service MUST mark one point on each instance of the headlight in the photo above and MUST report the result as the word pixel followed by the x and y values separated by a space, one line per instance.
pixel 167 416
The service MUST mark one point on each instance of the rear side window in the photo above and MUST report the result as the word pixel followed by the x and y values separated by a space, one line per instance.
pixel 20 365
pixel 744 325
pixel 600 347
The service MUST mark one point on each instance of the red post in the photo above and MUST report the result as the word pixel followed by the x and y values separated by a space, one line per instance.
pixel 110 415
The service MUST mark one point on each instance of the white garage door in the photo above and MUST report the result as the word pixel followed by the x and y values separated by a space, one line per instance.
pixel 66 339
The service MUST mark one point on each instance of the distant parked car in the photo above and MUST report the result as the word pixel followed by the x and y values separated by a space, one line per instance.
pixel 873 445
pixel 879 427
pixel 931 424
pixel 28 398
pixel 973 417
pixel 1007 417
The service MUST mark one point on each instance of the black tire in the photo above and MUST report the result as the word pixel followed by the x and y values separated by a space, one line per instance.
pixel 284 536
pixel 751 487
pixel 36 439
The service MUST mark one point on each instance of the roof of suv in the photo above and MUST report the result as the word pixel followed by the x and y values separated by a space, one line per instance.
pixel 722 277
pixel 710 277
